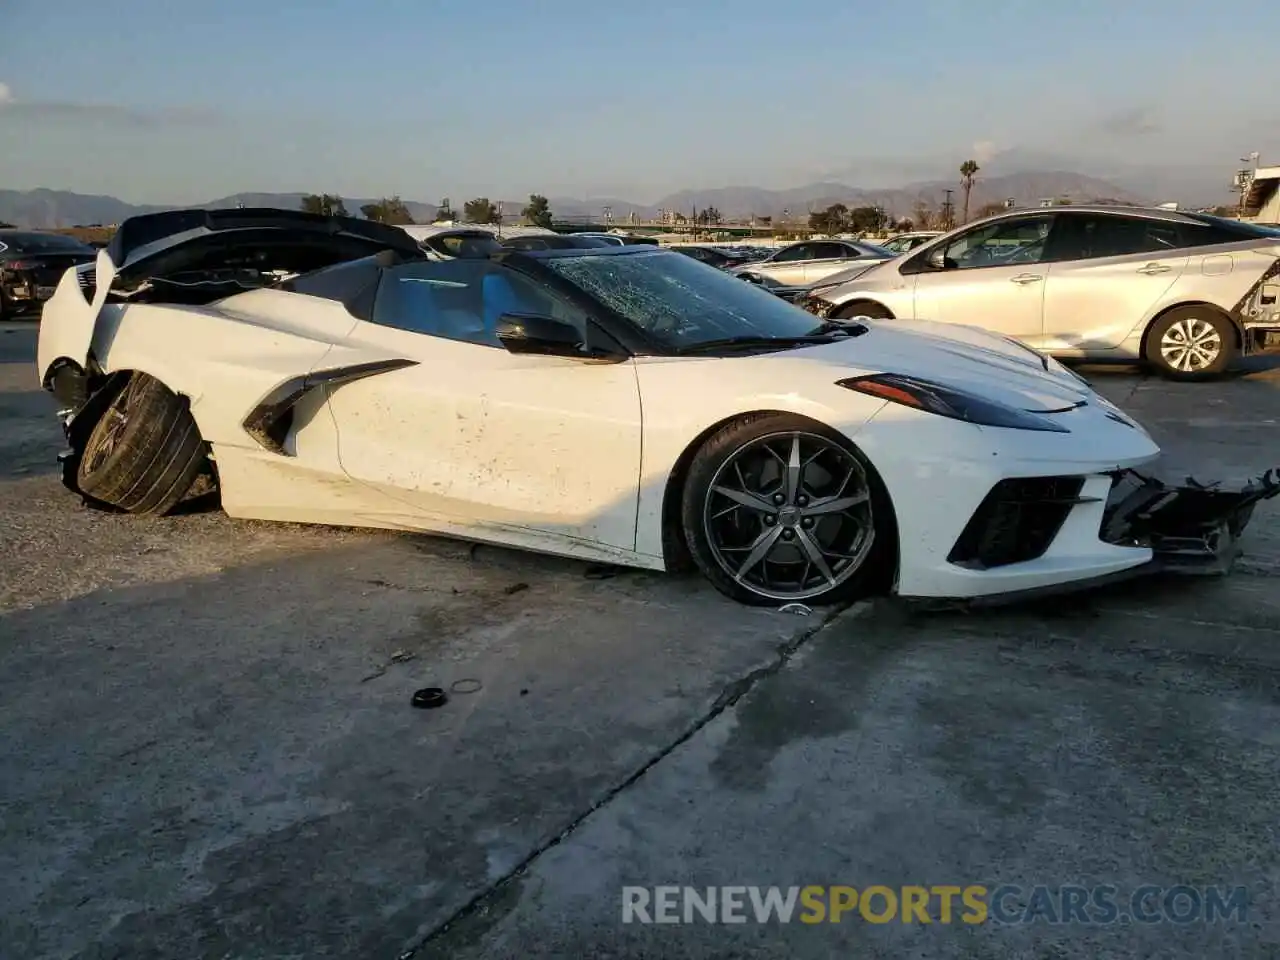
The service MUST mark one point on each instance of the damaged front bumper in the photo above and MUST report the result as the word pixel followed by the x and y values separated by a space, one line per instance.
pixel 1189 528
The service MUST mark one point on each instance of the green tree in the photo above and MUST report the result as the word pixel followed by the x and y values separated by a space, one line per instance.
pixel 481 210
pixel 538 212
pixel 968 171
pixel 388 210
pixel 834 219
pixel 865 219
pixel 325 204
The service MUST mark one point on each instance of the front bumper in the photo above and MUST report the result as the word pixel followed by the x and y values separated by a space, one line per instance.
pixel 1187 529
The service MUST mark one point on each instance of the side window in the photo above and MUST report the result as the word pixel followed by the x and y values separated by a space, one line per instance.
pixel 1200 235
pixel 801 251
pixel 833 251
pixel 1094 236
pixel 463 299
pixel 1003 243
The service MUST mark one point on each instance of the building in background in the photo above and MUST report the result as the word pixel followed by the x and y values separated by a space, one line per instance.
pixel 1260 198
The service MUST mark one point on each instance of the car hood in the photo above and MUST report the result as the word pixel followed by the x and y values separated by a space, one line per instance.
pixel 957 356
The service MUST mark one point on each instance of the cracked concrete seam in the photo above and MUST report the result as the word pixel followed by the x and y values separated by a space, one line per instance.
pixel 732 693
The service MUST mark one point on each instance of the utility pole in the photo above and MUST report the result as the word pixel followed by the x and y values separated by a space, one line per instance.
pixel 948 211
pixel 1244 180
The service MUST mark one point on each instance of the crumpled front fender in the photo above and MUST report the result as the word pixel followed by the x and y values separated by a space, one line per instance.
pixel 69 320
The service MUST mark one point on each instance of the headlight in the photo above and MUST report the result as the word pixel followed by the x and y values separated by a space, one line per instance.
pixel 949 402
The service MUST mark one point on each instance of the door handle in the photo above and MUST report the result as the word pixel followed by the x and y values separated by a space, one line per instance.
pixel 1151 269
pixel 1027 278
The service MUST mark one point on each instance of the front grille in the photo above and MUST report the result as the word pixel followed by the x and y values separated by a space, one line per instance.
pixel 1016 521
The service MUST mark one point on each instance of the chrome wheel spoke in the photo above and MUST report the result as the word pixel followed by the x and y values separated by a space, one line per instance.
pixel 759 550
pixel 795 471
pixel 836 504
pixel 743 498
pixel 816 556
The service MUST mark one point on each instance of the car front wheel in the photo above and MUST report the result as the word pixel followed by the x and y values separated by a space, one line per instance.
pixel 1191 343
pixel 779 509
pixel 145 453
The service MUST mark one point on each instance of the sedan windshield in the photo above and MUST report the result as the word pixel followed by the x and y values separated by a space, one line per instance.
pixel 681 302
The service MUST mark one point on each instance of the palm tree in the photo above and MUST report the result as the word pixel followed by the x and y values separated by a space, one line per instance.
pixel 968 170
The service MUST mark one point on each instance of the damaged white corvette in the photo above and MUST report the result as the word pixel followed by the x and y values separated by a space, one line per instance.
pixel 625 405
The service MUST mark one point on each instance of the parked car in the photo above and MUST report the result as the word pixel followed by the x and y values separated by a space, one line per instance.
pixel 626 405
pixel 31 264
pixel 554 242
pixel 902 242
pixel 722 258
pixel 800 265
pixel 618 239
pixel 1186 293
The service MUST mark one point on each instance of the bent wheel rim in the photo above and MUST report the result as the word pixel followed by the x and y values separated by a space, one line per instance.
pixel 115 420
pixel 1191 345
pixel 788 516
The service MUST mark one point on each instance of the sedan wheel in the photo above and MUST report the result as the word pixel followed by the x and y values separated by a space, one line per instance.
pixel 781 515
pixel 1190 343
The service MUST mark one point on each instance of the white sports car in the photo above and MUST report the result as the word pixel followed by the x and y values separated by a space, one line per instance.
pixel 627 405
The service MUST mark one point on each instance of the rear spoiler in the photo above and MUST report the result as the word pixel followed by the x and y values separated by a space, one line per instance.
pixel 144 235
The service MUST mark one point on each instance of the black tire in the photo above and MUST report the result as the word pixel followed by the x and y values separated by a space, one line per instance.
pixel 862 308
pixel 1191 320
pixel 875 570
pixel 145 452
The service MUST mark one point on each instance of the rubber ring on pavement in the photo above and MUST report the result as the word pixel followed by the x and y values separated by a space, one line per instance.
pixel 466 685
pixel 428 698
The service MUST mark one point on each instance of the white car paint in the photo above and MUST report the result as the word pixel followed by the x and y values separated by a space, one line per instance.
pixel 573 457
pixel 1097 308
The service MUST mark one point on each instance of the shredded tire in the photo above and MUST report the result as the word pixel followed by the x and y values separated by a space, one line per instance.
pixel 145 453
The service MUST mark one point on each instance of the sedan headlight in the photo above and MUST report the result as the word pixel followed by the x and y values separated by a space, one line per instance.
pixel 949 402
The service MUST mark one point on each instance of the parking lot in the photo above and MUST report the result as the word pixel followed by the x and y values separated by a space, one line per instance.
pixel 207 747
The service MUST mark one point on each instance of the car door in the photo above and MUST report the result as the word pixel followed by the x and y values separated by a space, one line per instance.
pixel 991 277
pixel 787 266
pixel 538 449
pixel 828 258
pixel 1106 272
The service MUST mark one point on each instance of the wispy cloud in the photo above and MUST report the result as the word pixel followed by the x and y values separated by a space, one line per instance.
pixel 983 150
pixel 1133 122
pixel 118 114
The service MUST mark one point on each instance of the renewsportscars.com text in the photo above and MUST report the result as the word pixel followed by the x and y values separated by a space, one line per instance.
pixel 944 904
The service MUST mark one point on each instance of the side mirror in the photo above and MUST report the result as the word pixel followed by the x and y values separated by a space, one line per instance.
pixel 528 333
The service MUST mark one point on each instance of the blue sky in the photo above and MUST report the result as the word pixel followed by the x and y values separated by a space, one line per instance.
pixel 184 101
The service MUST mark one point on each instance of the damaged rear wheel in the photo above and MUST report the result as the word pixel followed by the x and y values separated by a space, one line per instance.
pixel 145 453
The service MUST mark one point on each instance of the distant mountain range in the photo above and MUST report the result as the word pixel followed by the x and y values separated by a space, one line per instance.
pixel 45 208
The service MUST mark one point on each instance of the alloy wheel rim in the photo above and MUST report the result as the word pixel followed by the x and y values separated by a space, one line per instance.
pixel 788 516
pixel 117 418
pixel 1191 345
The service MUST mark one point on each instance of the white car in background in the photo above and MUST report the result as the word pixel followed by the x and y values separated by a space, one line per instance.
pixel 799 265
pixel 1185 292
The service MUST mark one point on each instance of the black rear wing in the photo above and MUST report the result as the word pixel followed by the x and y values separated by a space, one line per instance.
pixel 151 228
